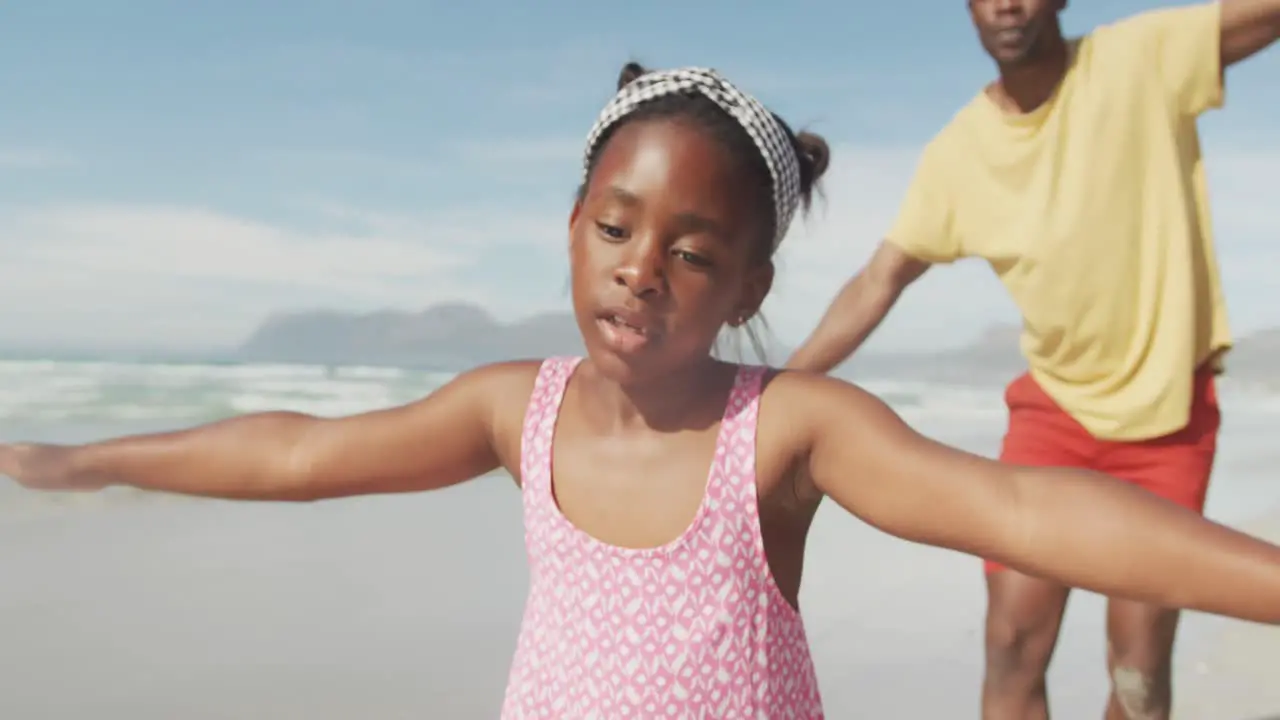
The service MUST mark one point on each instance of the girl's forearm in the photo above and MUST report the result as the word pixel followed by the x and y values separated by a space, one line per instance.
pixel 1092 531
pixel 251 457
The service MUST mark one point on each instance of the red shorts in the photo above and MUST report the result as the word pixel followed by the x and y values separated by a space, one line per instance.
pixel 1176 467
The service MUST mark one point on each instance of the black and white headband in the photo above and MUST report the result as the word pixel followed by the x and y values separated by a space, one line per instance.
pixel 770 137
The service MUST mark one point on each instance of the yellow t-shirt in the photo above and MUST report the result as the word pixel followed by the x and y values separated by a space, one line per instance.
pixel 1093 211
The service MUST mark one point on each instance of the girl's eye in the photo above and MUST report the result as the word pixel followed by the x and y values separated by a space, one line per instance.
pixel 692 258
pixel 611 231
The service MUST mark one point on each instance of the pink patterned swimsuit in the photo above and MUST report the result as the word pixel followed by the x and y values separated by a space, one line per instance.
pixel 693 629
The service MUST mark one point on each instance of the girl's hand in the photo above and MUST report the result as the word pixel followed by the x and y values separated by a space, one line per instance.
pixel 41 467
pixel 466 428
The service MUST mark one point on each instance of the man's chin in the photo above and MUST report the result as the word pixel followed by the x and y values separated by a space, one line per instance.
pixel 1015 61
pixel 1014 56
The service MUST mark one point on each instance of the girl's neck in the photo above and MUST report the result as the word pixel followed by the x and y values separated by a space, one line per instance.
pixel 672 401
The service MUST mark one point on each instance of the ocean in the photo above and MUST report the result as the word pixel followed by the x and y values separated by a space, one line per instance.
pixel 141 606
pixel 50 394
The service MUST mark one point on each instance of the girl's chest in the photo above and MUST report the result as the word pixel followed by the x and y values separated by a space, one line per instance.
pixel 641 491
pixel 645 489
pixel 707 496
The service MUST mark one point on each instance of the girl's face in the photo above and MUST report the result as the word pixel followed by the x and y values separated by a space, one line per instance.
pixel 665 248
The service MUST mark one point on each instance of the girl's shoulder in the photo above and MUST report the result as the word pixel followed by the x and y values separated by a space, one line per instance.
pixel 795 405
pixel 800 386
pixel 507 375
pixel 505 388
pixel 508 383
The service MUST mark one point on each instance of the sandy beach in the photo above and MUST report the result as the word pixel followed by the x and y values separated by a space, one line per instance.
pixel 408 607
pixel 152 608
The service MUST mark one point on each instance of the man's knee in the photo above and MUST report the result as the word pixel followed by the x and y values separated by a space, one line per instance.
pixel 1020 646
pixel 1023 617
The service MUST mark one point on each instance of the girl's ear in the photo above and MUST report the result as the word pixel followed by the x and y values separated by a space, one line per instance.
pixel 573 218
pixel 573 214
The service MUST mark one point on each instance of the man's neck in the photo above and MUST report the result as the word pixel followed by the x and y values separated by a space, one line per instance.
pixel 1026 86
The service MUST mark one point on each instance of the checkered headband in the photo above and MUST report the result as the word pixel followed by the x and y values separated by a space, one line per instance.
pixel 769 136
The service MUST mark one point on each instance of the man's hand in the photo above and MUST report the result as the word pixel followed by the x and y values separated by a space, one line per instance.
pixel 40 467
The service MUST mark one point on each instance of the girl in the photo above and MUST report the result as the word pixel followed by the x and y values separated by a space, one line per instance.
pixel 668 495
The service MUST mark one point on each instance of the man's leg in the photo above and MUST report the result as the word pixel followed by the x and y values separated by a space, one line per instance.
pixel 1140 637
pixel 1024 613
pixel 1023 617
pixel 1140 660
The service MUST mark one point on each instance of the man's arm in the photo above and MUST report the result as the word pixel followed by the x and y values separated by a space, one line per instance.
pixel 1248 27
pixel 922 235
pixel 859 309
pixel 1189 47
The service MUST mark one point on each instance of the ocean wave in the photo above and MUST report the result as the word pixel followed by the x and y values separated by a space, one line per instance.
pixel 47 391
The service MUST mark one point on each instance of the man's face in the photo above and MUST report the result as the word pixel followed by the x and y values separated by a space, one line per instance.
pixel 1013 32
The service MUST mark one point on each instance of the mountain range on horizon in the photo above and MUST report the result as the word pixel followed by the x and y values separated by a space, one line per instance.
pixel 453 335
pixel 448 336
pixel 444 335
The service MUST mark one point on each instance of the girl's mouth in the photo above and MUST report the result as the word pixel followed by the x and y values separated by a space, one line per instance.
pixel 624 325
pixel 622 335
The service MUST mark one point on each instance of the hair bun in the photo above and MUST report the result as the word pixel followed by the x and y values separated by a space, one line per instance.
pixel 630 72
pixel 815 157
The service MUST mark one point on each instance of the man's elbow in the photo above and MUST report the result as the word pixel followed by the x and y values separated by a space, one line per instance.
pixel 880 285
pixel 881 289
pixel 1270 24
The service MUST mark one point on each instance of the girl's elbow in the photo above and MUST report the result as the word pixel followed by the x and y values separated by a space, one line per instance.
pixel 293 457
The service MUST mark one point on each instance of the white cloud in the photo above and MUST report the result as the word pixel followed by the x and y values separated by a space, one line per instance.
pixel 169 276
pixel 24 158
pixel 562 152
pixel 160 276
pixel 197 244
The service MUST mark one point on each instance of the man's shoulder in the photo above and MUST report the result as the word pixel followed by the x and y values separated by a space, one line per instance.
pixel 972 111
pixel 1134 34
pixel 957 134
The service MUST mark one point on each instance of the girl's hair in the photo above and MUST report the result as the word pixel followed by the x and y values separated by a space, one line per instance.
pixel 812 151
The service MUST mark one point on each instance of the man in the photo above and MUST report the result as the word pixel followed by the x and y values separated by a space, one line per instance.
pixel 1077 175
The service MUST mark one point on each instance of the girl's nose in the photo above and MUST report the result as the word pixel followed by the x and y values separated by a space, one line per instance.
pixel 642 268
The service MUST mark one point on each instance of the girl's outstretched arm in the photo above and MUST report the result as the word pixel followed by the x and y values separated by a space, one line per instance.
pixel 452 435
pixel 1081 528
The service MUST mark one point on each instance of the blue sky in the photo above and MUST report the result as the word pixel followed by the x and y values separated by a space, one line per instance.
pixel 172 172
